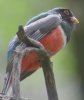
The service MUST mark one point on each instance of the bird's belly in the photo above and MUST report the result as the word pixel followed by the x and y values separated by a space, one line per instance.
pixel 53 42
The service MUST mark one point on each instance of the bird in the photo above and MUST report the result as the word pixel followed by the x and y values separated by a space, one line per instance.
pixel 52 29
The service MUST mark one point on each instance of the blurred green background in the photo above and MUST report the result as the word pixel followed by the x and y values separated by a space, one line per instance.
pixel 68 63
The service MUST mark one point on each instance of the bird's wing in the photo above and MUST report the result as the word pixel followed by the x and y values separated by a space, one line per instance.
pixel 41 27
pixel 42 15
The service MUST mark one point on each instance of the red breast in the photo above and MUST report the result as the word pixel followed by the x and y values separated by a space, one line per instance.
pixel 53 42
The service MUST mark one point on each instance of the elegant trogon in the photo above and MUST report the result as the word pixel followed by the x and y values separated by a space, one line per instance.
pixel 52 29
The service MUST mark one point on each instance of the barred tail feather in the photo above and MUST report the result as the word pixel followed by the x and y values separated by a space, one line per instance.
pixel 7 83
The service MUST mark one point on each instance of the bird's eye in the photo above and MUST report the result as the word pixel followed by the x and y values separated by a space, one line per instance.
pixel 66 12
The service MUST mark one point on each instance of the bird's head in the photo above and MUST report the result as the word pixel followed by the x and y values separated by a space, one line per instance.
pixel 69 21
pixel 66 15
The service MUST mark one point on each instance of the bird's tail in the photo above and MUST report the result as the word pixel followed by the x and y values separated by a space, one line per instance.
pixel 8 77
pixel 7 83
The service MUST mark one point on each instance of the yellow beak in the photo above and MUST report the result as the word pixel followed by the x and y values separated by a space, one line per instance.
pixel 74 20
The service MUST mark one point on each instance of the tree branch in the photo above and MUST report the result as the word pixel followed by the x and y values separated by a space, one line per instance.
pixel 16 75
pixel 47 69
pixel 45 62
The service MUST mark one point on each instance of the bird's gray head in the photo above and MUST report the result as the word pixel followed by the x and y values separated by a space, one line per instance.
pixel 65 14
pixel 69 21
